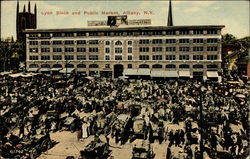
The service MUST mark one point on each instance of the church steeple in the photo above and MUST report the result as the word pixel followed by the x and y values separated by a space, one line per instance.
pixel 170 18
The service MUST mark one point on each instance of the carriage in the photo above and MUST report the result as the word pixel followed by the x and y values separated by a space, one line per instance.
pixel 143 151
pixel 140 128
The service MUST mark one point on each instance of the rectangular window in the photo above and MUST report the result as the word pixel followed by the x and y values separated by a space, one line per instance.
pixel 118 57
pixel 69 57
pixel 198 48
pixel 118 50
pixel 69 34
pixel 43 50
pixel 197 57
pixel 184 57
pixel 33 42
pixel 157 57
pixel 107 65
pixel 212 40
pixel 33 57
pixel 130 58
pixel 144 49
pixel 45 57
pixel 170 49
pixel 69 42
pixel 45 42
pixel 81 34
pixel 45 35
pixel 107 57
pixel 198 32
pixel 184 49
pixel 93 57
pixel 212 48
pixel 93 49
pixel 130 42
pixel 143 57
pixel 57 57
pixel 57 35
pixel 33 50
pixel 170 41
pixel 170 57
pixel 57 49
pixel 107 50
pixel 57 42
pixel 144 41
pixel 212 31
pixel 130 66
pixel 157 49
pixel 184 41
pixel 130 50
pixel 212 57
pixel 197 41
pixel 81 49
pixel 81 42
pixel 69 49
pixel 157 41
pixel 81 57
pixel 93 33
pixel 171 32
pixel 184 32
pixel 93 42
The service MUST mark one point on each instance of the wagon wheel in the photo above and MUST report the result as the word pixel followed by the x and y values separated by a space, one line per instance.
pixel 44 145
pixel 33 153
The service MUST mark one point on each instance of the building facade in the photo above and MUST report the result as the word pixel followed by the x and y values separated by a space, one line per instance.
pixel 164 51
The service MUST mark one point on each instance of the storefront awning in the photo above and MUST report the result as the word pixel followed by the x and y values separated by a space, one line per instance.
pixel 33 69
pixel 56 69
pixel 44 69
pixel 212 74
pixel 143 72
pixel 164 74
pixel 184 73
pixel 67 70
pixel 130 72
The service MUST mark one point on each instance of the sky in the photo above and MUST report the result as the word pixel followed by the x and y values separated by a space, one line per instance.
pixel 233 14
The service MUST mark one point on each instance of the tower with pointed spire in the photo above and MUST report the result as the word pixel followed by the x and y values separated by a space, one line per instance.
pixel 170 16
pixel 25 20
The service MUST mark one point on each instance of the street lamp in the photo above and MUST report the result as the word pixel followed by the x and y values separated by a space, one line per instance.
pixel 200 90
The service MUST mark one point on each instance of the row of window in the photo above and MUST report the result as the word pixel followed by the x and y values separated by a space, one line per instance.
pixel 142 41
pixel 169 66
pixel 68 49
pixel 142 57
pixel 181 49
pixel 127 33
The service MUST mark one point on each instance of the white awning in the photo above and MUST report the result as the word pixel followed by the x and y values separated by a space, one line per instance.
pixel 33 69
pixel 211 74
pixel 145 72
pixel 67 70
pixel 164 74
pixel 56 69
pixel 184 73
pixel 130 72
pixel 44 69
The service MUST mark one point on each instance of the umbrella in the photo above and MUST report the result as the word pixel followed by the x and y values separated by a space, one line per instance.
pixel 161 100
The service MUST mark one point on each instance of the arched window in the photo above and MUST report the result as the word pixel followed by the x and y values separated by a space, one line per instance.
pixel 81 66
pixel 184 66
pixel 170 66
pixel 143 66
pixel 57 66
pixel 157 66
pixel 93 66
pixel 34 66
pixel 212 66
pixel 69 65
pixel 197 66
pixel 107 43
pixel 118 43
pixel 45 66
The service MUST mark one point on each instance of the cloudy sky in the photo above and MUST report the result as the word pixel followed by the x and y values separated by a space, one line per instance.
pixel 233 14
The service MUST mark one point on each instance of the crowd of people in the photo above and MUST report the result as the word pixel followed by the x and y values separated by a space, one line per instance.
pixel 223 120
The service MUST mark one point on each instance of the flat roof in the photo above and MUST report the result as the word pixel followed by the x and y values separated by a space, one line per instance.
pixel 127 28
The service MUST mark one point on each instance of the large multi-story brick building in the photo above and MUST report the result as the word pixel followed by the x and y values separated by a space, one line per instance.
pixel 153 51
